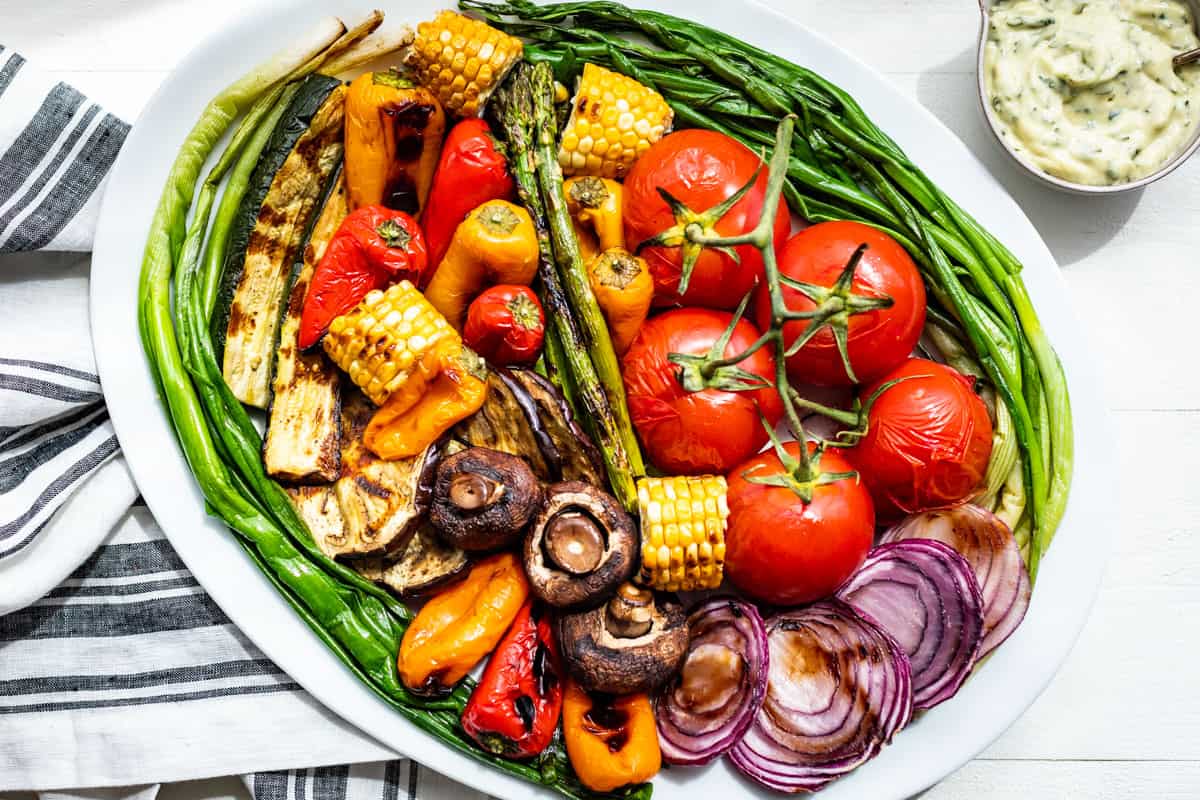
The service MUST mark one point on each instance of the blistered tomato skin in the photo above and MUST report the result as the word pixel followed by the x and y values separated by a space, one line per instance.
pixel 928 440
pixel 700 169
pixel 877 340
pixel 783 551
pixel 690 433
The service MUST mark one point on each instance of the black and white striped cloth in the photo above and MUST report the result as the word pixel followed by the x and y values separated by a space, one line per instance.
pixel 116 668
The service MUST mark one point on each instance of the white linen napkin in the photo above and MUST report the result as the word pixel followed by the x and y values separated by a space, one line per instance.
pixel 55 150
pixel 116 668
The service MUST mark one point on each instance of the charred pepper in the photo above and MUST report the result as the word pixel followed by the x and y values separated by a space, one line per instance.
pixel 624 289
pixel 373 248
pixel 595 205
pixel 472 169
pixel 496 243
pixel 416 415
pixel 506 325
pixel 514 710
pixel 459 626
pixel 612 741
pixel 393 135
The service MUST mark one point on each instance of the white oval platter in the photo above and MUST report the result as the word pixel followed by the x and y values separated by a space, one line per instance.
pixel 924 753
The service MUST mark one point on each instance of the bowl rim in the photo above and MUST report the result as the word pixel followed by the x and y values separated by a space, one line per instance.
pixel 1169 166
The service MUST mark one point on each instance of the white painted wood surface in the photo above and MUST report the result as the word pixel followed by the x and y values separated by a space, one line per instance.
pixel 1122 719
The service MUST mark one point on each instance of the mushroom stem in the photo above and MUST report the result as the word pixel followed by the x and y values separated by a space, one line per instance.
pixel 471 491
pixel 574 542
pixel 630 612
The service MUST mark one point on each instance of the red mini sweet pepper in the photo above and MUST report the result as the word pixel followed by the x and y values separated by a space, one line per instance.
pixel 471 170
pixel 514 710
pixel 373 248
pixel 506 325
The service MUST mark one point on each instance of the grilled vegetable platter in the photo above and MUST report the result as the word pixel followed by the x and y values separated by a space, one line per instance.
pixel 607 393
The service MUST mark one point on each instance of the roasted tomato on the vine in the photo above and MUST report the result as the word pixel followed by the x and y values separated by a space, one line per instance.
pixel 868 306
pixel 784 549
pixel 700 170
pixel 928 439
pixel 505 325
pixel 688 423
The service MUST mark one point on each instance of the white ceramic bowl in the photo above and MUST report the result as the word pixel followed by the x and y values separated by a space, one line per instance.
pixel 1046 179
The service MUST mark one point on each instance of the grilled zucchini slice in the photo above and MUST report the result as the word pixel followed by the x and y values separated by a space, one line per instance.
pixel 427 562
pixel 303 441
pixel 297 163
pixel 318 507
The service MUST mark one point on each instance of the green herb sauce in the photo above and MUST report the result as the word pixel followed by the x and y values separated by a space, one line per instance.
pixel 1086 91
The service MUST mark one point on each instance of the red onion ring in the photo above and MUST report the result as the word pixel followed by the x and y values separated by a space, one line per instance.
pixel 926 596
pixel 839 690
pixel 988 545
pixel 709 704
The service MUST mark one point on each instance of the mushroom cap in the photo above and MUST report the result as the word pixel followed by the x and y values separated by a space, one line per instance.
pixel 563 584
pixel 601 661
pixel 483 499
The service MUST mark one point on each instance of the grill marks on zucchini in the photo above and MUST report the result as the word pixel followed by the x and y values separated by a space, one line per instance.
pixel 303 152
pixel 427 563
pixel 303 441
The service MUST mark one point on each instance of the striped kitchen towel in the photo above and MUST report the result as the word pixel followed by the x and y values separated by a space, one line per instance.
pixel 58 147
pixel 128 674
pixel 116 668
pixel 56 443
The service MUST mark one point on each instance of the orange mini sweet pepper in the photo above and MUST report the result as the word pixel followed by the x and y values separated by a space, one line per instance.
pixel 611 741
pixel 461 625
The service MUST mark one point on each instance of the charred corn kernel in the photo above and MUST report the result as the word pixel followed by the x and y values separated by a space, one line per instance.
pixel 614 119
pixel 462 60
pixel 389 338
pixel 683 532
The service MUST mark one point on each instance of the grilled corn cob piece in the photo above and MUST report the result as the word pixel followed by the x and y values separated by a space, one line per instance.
pixel 462 60
pixel 683 532
pixel 614 119
pixel 391 337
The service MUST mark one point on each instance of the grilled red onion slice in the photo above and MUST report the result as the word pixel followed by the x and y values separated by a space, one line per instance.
pixel 709 704
pixel 988 545
pixel 839 689
pixel 925 595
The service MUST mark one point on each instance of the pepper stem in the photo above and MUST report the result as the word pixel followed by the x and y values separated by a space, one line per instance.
pixel 393 234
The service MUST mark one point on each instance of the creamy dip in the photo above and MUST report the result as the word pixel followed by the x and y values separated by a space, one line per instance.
pixel 1086 91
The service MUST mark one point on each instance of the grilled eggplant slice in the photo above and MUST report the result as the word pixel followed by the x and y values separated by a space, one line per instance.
pixel 503 424
pixel 526 416
pixel 577 458
pixel 383 502
pixel 427 562
pixel 303 441
pixel 318 507
pixel 253 289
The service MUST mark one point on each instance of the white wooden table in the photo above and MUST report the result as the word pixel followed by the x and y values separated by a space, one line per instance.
pixel 1122 719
